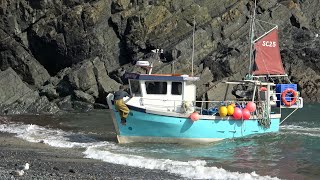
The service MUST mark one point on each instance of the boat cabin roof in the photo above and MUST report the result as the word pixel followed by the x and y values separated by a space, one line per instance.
pixel 161 77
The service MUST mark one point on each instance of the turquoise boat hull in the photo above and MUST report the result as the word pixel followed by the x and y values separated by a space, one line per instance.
pixel 149 127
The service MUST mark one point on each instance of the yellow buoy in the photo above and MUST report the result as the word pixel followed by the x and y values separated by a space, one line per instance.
pixel 223 111
pixel 230 109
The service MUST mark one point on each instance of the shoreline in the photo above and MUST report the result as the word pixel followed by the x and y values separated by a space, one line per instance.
pixel 47 162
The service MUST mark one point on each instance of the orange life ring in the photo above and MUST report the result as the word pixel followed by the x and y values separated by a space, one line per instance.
pixel 284 94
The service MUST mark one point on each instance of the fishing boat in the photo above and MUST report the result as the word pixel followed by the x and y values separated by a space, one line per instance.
pixel 164 108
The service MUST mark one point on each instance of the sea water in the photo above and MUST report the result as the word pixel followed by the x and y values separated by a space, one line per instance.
pixel 293 153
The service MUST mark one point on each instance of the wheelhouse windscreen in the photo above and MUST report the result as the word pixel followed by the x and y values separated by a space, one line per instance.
pixel 176 88
pixel 156 87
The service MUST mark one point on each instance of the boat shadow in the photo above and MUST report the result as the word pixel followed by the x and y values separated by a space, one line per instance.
pixel 186 125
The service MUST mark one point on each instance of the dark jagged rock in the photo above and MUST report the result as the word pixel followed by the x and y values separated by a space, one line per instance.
pixel 16 97
pixel 100 106
pixel 42 105
pixel 65 103
pixel 91 77
pixel 82 96
pixel 203 85
pixel 64 88
pixel 58 47
pixel 16 56
pixel 104 82
pixel 82 106
pixel 49 91
pixel 83 78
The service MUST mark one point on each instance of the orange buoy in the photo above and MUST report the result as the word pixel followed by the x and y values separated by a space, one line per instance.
pixel 194 116
pixel 237 114
pixel 251 106
pixel 263 88
pixel 245 114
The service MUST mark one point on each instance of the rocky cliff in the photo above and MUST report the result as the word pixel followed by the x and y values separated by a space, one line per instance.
pixel 67 54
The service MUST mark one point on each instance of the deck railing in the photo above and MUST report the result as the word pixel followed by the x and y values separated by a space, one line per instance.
pixel 212 107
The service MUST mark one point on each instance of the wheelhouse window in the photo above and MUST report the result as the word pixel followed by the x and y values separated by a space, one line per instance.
pixel 135 87
pixel 176 88
pixel 156 87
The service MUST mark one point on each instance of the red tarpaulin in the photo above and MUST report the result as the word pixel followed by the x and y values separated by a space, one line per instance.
pixel 267 55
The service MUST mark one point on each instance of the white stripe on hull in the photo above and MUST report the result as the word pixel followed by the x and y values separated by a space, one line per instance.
pixel 149 139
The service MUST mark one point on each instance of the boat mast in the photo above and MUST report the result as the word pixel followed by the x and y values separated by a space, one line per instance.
pixel 194 28
pixel 251 36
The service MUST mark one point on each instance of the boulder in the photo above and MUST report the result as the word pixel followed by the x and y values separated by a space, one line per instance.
pixel 22 61
pixel 17 98
pixel 49 91
pixel 120 5
pixel 82 96
pixel 43 105
pixel 203 84
pixel 82 106
pixel 65 103
pixel 105 83
pixel 83 78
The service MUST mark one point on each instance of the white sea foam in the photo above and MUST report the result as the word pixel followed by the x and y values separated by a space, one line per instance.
pixel 52 137
pixel 303 133
pixel 299 130
pixel 189 169
pixel 107 151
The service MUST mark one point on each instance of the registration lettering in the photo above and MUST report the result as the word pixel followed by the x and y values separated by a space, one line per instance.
pixel 269 43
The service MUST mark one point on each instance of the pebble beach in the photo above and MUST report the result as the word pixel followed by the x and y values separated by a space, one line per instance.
pixel 48 162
